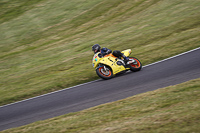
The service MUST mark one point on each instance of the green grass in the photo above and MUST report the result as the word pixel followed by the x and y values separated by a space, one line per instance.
pixel 45 45
pixel 171 109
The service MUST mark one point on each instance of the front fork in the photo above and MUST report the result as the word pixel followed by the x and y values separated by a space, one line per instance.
pixel 105 69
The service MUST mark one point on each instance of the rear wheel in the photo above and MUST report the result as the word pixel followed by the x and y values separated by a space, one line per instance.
pixel 104 72
pixel 136 66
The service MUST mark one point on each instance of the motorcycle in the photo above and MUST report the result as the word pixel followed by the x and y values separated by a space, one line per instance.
pixel 108 66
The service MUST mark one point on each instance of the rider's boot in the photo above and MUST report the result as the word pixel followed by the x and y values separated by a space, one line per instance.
pixel 126 59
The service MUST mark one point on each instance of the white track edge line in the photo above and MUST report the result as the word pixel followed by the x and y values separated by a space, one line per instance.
pixel 98 79
pixel 173 57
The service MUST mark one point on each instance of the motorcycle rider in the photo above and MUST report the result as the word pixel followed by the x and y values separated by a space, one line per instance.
pixel 104 51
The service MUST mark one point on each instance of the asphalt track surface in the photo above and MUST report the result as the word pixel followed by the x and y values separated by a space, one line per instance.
pixel 161 74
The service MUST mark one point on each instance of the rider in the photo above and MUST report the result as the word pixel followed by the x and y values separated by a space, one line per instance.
pixel 104 51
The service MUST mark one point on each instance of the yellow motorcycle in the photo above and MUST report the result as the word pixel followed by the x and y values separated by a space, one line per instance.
pixel 109 65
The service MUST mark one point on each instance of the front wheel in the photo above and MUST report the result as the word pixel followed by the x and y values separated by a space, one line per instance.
pixel 135 66
pixel 104 72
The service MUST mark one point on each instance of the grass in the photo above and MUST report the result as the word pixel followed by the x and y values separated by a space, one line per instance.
pixel 46 44
pixel 171 109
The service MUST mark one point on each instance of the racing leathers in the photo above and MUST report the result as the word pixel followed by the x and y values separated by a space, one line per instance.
pixel 116 53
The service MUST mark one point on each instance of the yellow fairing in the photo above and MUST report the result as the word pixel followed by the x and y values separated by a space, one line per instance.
pixel 95 60
pixel 110 61
pixel 127 52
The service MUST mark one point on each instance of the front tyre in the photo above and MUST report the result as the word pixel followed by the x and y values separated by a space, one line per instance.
pixel 104 72
pixel 136 66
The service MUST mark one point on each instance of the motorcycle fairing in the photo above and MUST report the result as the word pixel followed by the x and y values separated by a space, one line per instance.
pixel 127 52
pixel 110 61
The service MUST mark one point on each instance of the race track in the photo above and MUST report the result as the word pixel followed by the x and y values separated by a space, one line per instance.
pixel 165 73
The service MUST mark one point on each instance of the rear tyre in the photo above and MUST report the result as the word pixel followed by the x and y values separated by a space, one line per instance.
pixel 104 74
pixel 135 66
